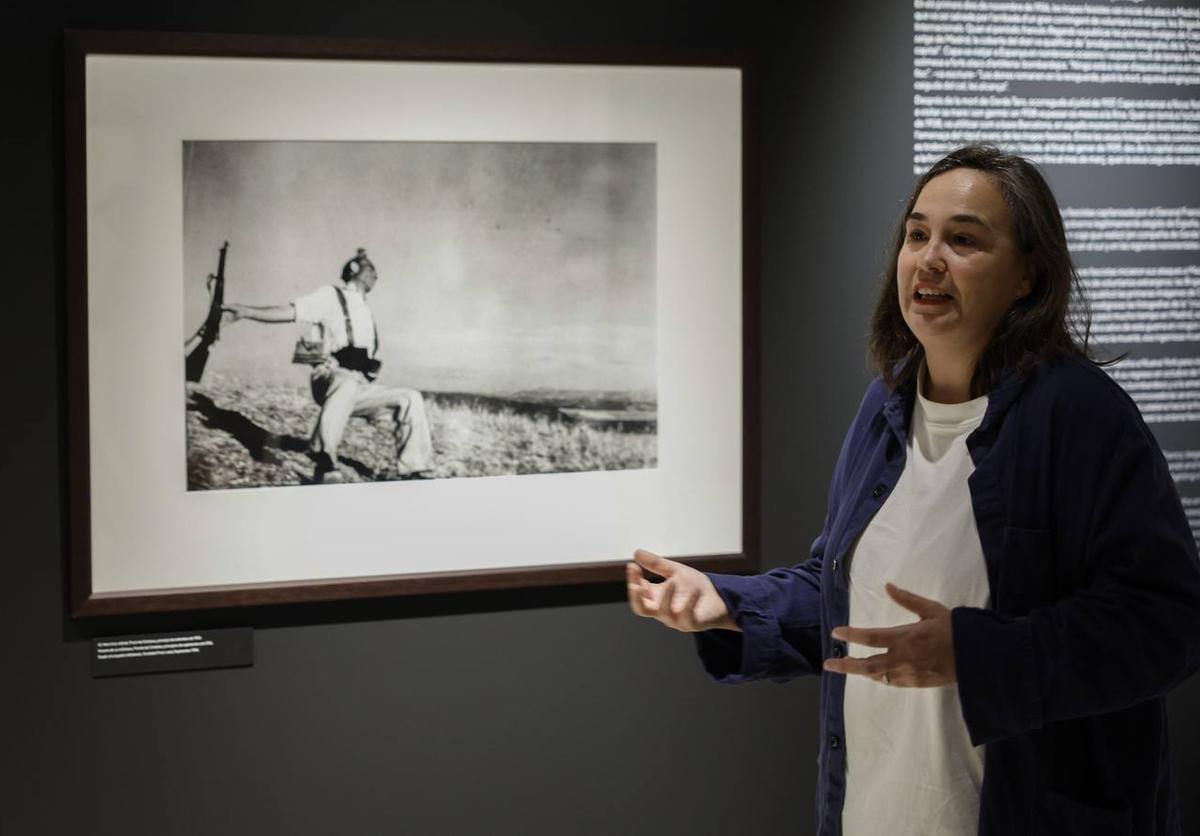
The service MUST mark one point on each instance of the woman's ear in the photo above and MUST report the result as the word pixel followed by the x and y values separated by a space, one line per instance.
pixel 1025 283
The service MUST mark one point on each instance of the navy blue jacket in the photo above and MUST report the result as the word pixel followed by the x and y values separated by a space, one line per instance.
pixel 1094 615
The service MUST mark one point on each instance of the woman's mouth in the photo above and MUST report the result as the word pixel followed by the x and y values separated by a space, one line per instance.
pixel 930 297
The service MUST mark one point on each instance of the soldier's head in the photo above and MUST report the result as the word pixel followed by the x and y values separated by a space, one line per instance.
pixel 360 269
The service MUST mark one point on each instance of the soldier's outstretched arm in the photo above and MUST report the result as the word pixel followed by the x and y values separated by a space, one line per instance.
pixel 260 313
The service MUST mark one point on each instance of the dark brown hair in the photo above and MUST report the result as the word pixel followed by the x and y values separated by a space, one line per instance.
pixel 1053 318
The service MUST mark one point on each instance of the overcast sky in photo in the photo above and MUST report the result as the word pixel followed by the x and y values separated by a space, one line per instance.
pixel 503 266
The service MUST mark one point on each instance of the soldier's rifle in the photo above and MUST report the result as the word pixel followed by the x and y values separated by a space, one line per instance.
pixel 210 330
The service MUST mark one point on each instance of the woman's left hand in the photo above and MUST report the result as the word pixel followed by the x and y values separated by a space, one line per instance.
pixel 919 655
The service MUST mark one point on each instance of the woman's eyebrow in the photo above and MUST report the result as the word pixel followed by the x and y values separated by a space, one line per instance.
pixel 966 219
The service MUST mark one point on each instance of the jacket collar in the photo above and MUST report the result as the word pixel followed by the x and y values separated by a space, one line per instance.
pixel 898 407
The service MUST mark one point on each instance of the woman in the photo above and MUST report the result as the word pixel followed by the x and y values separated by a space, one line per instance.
pixel 1006 584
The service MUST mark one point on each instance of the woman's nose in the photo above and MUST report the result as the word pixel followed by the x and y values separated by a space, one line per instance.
pixel 931 259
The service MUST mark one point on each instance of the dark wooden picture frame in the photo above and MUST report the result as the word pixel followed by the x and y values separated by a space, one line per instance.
pixel 86 600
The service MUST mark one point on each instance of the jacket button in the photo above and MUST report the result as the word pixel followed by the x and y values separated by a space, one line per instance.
pixel 879 489
pixel 834 565
pixel 837 651
pixel 834 743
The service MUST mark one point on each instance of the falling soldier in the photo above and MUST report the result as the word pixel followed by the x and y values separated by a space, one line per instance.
pixel 342 350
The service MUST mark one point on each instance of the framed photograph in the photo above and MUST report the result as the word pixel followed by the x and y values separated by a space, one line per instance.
pixel 353 318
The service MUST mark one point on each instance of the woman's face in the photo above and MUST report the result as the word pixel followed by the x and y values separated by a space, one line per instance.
pixel 959 270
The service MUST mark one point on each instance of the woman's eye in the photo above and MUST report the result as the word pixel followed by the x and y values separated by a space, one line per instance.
pixel 916 235
pixel 964 240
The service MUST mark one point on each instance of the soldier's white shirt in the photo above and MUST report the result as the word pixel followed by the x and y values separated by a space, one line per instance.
pixel 321 307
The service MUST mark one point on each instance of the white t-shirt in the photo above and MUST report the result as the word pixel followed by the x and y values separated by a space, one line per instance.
pixel 910 767
pixel 321 307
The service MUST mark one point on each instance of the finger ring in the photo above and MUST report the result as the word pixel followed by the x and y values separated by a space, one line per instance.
pixel 887 680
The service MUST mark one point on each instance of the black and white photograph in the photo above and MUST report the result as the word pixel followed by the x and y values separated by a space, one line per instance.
pixel 492 312
pixel 380 311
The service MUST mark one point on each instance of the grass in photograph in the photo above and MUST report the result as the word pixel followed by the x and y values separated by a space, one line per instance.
pixel 243 433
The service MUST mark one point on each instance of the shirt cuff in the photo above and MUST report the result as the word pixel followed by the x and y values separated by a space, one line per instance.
pixel 729 656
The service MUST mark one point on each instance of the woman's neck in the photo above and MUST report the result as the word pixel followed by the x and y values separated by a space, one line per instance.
pixel 948 377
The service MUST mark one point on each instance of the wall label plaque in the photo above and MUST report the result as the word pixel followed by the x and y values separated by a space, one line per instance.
pixel 189 650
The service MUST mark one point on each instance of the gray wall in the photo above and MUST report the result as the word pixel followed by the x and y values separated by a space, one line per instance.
pixel 546 712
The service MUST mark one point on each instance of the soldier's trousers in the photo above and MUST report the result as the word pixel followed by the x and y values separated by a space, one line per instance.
pixel 343 394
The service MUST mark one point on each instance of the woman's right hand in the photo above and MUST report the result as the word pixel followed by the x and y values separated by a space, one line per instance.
pixel 686 600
